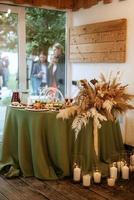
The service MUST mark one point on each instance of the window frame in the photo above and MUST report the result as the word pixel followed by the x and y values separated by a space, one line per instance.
pixel 20 11
pixel 22 68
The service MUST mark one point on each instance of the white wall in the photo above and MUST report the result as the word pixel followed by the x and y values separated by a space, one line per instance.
pixel 98 13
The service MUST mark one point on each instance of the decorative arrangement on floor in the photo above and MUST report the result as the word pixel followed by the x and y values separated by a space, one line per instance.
pixel 101 100
pixel 120 170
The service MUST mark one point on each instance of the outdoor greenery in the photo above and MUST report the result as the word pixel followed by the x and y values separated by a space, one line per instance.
pixel 43 29
pixel 8 32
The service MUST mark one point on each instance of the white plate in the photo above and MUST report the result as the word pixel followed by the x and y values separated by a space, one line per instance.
pixel 19 107
pixel 36 110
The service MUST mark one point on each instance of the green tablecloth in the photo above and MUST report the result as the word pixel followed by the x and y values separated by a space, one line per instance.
pixel 37 144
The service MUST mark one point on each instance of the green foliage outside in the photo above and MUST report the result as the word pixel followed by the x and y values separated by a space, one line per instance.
pixel 43 29
pixel 8 32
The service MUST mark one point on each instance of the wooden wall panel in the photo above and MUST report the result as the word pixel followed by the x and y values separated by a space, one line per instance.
pixel 98 47
pixel 111 57
pixel 99 42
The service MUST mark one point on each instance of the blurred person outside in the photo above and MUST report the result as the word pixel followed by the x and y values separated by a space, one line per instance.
pixel 5 70
pixel 57 74
pixel 31 60
pixel 52 69
pixel 39 73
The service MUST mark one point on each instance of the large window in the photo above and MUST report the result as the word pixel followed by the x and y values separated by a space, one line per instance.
pixel 26 34
pixel 44 29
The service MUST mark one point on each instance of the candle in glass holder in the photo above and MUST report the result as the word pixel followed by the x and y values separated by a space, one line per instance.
pixel 113 172
pixel 77 174
pixel 132 159
pixel 131 168
pixel 86 180
pixel 122 164
pixel 125 172
pixel 97 176
pixel 111 181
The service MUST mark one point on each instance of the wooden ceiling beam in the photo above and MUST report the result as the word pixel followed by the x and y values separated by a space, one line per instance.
pixel 62 4
pixel 107 1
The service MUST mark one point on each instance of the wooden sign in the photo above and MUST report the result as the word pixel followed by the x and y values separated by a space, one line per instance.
pixel 103 42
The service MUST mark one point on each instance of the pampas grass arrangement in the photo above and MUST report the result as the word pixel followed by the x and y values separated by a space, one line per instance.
pixel 100 99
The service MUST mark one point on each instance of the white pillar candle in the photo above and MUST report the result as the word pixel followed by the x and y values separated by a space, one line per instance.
pixel 86 180
pixel 122 164
pixel 113 172
pixel 97 176
pixel 77 174
pixel 132 160
pixel 125 172
pixel 111 181
pixel 131 168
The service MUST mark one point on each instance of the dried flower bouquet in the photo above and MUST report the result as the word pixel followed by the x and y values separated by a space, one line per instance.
pixel 99 99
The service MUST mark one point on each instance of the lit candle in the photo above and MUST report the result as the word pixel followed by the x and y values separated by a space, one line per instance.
pixel 86 180
pixel 131 168
pixel 113 172
pixel 77 174
pixel 132 159
pixel 97 176
pixel 125 172
pixel 111 181
pixel 122 164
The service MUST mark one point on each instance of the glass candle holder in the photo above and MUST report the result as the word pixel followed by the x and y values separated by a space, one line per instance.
pixel 76 173
pixel 113 171
pixel 131 168
pixel 125 172
pixel 86 179
pixel 97 176
pixel 132 159
pixel 111 181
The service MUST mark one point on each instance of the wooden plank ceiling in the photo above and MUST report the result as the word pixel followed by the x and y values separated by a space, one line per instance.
pixel 62 4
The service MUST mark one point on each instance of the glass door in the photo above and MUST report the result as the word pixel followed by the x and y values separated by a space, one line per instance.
pixel 24 33
pixel 12 55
